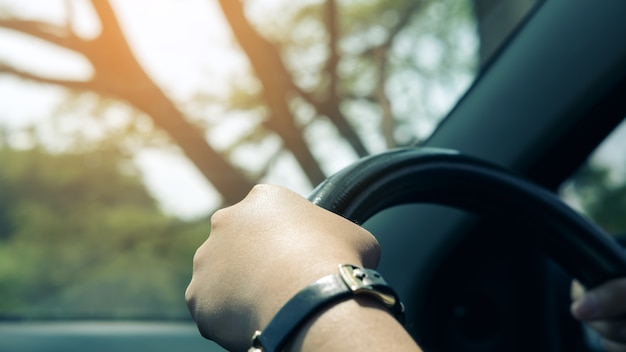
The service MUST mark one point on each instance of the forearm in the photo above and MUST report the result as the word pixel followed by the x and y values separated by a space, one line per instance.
pixel 266 249
pixel 357 324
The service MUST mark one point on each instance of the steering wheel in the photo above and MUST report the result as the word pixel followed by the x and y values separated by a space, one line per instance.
pixel 445 177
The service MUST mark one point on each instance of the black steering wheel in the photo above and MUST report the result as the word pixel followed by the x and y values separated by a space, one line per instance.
pixel 444 177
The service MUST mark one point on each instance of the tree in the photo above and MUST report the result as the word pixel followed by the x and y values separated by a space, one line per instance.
pixel 118 74
pixel 80 238
pixel 366 62
pixel 600 195
pixel 77 228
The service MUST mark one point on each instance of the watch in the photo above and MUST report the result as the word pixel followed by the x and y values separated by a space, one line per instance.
pixel 349 281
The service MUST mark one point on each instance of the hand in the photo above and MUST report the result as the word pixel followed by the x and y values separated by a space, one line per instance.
pixel 604 309
pixel 260 253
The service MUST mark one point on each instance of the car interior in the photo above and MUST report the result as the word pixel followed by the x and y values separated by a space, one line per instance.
pixel 538 109
pixel 475 237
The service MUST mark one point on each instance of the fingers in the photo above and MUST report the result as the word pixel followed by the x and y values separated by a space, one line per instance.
pixel 603 302
pixel 603 308
pixel 577 290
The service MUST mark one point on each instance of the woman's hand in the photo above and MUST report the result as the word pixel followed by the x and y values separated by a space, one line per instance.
pixel 260 253
pixel 604 309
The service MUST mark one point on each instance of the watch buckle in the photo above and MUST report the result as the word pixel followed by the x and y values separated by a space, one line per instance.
pixel 360 282
pixel 256 345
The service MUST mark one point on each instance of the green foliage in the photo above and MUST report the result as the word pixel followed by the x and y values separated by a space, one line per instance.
pixel 601 197
pixel 79 238
pixel 419 55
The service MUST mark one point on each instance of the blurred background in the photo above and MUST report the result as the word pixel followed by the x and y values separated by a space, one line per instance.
pixel 125 124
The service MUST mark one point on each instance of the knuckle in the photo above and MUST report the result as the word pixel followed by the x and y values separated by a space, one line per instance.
pixel 198 257
pixel 189 296
pixel 257 190
pixel 217 215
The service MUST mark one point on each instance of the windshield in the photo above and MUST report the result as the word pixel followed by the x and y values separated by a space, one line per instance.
pixel 126 124
pixel 598 188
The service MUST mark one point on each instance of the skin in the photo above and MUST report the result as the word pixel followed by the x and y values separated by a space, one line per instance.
pixel 265 249
pixel 272 244
pixel 603 309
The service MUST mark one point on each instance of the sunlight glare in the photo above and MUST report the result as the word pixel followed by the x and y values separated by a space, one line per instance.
pixel 185 46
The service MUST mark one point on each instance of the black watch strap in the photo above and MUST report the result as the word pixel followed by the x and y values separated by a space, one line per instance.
pixel 349 281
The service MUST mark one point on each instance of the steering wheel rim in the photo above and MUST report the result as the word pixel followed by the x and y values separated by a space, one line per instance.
pixel 446 177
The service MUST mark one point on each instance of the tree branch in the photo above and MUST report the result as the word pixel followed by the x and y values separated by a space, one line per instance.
pixel 277 87
pixel 78 85
pixel 414 6
pixel 117 73
pixel 380 53
pixel 405 19
pixel 111 30
pixel 333 58
pixel 54 34
pixel 387 122
pixel 329 107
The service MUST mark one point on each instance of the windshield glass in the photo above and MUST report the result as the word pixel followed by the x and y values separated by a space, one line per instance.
pixel 124 125
pixel 598 188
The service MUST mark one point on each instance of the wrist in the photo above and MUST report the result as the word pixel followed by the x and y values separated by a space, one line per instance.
pixel 346 283
pixel 284 284
pixel 358 324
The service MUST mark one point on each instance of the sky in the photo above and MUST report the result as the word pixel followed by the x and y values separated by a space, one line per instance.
pixel 186 48
pixel 181 44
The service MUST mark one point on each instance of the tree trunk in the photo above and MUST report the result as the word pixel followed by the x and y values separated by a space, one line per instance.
pixel 229 181
pixel 118 72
